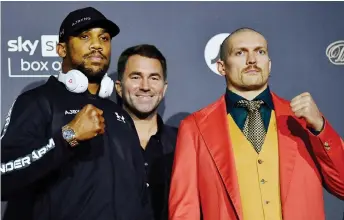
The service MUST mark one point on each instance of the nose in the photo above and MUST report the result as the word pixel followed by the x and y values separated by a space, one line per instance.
pixel 144 85
pixel 251 59
pixel 96 44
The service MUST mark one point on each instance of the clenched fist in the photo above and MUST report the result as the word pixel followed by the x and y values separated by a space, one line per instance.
pixel 88 123
pixel 304 106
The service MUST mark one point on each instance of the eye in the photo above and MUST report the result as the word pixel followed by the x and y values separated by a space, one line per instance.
pixel 83 37
pixel 239 53
pixel 261 52
pixel 155 78
pixel 105 38
pixel 134 77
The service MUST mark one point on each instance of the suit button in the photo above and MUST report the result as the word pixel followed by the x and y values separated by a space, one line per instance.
pixel 327 146
pixel 263 181
pixel 260 161
pixel 267 202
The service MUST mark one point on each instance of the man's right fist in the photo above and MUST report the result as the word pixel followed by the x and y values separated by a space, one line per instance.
pixel 88 123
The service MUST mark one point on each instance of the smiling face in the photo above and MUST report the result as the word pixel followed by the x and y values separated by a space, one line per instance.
pixel 143 85
pixel 247 64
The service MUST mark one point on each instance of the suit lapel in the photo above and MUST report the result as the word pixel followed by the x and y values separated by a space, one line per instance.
pixel 286 145
pixel 168 142
pixel 216 136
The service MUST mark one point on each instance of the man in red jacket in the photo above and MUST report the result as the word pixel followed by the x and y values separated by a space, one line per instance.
pixel 252 155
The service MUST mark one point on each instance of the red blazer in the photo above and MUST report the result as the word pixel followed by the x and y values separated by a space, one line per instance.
pixel 204 180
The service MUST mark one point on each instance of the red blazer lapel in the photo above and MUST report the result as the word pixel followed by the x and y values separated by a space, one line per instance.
pixel 286 144
pixel 214 129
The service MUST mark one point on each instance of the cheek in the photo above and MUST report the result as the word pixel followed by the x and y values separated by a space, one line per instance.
pixel 76 55
pixel 238 65
pixel 131 88
pixel 158 89
pixel 107 51
pixel 264 63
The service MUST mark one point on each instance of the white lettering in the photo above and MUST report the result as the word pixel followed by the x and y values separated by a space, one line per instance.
pixel 71 112
pixel 35 65
pixel 3 168
pixel 335 52
pixel 81 20
pixel 26 161
pixel 56 66
pixel 9 166
pixel 41 152
pixel 8 119
pixel 17 164
pixel 34 156
pixel 51 144
pixel 19 45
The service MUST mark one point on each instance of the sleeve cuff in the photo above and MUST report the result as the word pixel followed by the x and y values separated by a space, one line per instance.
pixel 314 132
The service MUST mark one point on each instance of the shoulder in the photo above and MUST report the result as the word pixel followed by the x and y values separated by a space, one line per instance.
pixel 115 107
pixel 33 95
pixel 170 129
pixel 51 86
pixel 280 99
pixel 203 113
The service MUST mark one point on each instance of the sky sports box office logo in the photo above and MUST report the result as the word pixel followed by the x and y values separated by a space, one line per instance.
pixel 33 58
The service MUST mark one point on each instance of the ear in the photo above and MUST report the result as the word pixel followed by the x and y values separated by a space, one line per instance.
pixel 269 65
pixel 221 67
pixel 61 50
pixel 165 88
pixel 118 86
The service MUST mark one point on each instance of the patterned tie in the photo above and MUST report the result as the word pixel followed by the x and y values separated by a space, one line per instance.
pixel 254 129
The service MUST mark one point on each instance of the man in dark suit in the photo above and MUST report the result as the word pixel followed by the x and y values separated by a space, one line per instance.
pixel 141 86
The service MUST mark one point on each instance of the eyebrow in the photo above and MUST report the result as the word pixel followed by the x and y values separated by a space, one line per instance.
pixel 140 73
pixel 245 49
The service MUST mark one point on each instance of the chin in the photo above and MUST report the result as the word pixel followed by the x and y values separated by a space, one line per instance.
pixel 145 110
pixel 250 87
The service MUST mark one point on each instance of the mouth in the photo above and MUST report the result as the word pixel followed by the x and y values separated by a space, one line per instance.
pixel 96 57
pixel 144 97
pixel 252 71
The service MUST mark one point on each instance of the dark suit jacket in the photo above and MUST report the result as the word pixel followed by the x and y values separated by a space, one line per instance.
pixel 168 141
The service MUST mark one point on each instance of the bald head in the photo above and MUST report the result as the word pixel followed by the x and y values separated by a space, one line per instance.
pixel 226 45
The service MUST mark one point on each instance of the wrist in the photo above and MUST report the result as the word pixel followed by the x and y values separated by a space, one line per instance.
pixel 69 135
pixel 319 125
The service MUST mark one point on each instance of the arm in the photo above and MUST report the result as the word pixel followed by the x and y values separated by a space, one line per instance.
pixel 327 145
pixel 29 151
pixel 184 198
pixel 328 148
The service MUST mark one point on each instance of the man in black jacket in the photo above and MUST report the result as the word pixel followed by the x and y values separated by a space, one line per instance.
pixel 68 152
pixel 141 85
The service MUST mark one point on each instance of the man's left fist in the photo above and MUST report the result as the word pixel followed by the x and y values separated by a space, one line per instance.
pixel 304 106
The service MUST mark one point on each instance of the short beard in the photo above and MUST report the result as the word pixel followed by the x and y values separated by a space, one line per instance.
pixel 93 77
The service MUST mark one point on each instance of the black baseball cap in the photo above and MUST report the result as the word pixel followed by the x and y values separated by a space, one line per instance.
pixel 83 19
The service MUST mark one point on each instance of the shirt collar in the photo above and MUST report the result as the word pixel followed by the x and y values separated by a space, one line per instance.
pixel 160 125
pixel 232 98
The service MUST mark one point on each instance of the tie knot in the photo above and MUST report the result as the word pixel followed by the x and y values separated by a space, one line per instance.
pixel 250 105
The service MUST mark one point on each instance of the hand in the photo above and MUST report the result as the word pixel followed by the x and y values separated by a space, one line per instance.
pixel 304 106
pixel 88 123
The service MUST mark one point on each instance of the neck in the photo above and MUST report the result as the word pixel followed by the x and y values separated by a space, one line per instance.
pixel 247 94
pixel 92 87
pixel 145 127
